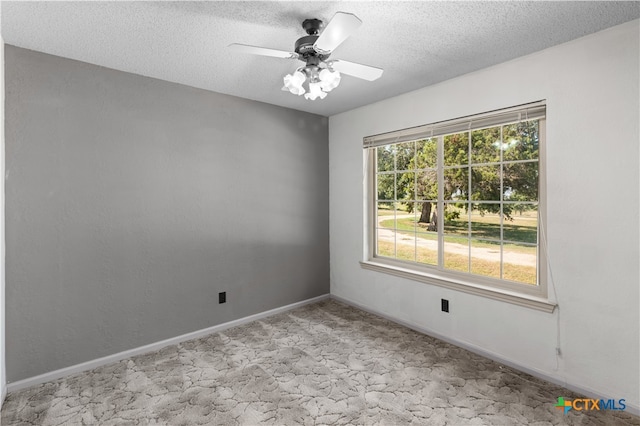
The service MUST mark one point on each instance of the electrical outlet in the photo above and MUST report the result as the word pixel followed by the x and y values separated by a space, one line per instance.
pixel 445 305
pixel 222 297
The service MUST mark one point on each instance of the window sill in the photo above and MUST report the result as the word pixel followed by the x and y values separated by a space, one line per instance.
pixel 475 289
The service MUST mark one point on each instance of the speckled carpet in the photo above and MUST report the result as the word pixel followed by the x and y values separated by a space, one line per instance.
pixel 326 363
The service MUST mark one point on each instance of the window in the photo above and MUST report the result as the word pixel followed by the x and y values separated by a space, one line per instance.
pixel 459 203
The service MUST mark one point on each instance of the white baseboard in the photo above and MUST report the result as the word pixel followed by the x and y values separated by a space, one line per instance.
pixel 89 365
pixel 561 381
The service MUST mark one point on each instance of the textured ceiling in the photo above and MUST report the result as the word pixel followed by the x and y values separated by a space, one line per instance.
pixel 416 43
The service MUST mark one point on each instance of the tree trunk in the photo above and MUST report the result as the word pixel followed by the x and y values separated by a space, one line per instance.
pixel 433 226
pixel 425 216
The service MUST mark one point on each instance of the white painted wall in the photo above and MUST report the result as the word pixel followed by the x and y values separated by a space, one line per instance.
pixel 591 87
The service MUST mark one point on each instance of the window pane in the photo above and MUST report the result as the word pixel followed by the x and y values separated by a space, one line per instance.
pixel 485 258
pixel 456 253
pixel 485 221
pixel 485 183
pixel 426 217
pixel 386 212
pixel 520 141
pixel 427 185
pixel 456 219
pixel 456 149
pixel 386 242
pixel 521 223
pixel 519 263
pixel 386 219
pixel 406 218
pixel 385 155
pixel 427 248
pixel 405 247
pixel 405 186
pixel 456 183
pixel 386 186
pixel 456 239
pixel 405 153
pixel 520 181
pixel 427 153
pixel 485 145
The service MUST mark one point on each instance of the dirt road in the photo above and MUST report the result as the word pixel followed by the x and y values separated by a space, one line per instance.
pixel 484 253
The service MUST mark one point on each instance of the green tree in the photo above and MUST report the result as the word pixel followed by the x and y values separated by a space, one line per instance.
pixel 415 183
pixel 427 181
pixel 514 142
pixel 385 181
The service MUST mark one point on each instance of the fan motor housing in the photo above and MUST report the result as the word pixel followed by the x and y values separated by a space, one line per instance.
pixel 304 47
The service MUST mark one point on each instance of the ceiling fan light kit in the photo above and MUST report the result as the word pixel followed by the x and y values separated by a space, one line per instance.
pixel 329 79
pixel 320 81
pixel 320 75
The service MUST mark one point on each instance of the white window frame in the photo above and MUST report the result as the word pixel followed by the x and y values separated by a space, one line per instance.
pixel 531 296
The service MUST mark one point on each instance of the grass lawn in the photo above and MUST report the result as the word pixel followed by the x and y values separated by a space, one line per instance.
pixel 383 212
pixel 522 229
pixel 456 262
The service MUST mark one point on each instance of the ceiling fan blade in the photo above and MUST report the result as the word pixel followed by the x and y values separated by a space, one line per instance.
pixel 341 26
pixel 254 50
pixel 364 72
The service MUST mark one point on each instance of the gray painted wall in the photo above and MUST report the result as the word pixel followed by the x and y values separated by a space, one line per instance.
pixel 131 202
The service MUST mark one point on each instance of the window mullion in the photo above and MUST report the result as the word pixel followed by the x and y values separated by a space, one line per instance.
pixel 440 203
pixel 372 164
pixel 469 206
pixel 501 203
pixel 395 201
pixel 415 201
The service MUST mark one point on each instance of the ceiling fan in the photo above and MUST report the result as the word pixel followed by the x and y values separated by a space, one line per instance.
pixel 314 49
